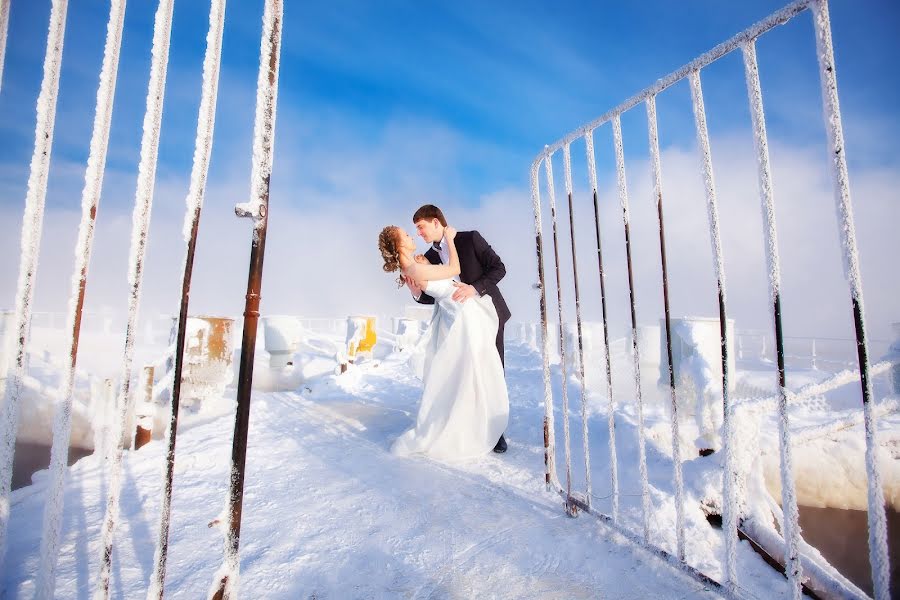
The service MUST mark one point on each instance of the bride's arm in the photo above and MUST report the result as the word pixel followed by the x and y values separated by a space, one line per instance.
pixel 424 273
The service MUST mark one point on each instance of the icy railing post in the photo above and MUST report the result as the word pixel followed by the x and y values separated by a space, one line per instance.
pixel 636 354
pixel 895 356
pixel 791 526
pixel 611 408
pixel 225 581
pixel 32 227
pixel 677 477
pixel 567 163
pixel 4 26
pixel 90 199
pixel 194 203
pixel 878 547
pixel 550 477
pixel 140 226
pixel 571 509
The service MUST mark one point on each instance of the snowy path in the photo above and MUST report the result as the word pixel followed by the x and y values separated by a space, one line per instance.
pixel 329 513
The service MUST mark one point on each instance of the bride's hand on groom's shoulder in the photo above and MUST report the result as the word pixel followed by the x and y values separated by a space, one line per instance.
pixel 450 232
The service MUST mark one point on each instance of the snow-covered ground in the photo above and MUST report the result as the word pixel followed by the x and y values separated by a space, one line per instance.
pixel 329 513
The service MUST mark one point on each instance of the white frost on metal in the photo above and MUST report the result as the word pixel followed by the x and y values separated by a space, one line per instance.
pixel 194 203
pixel 636 355
pixel 793 566
pixel 4 27
pixel 567 162
pixel 878 548
pixel 32 225
pixel 162 28
pixel 677 475
pixel 551 193
pixel 90 198
pixel 550 458
pixel 729 517
pixel 611 409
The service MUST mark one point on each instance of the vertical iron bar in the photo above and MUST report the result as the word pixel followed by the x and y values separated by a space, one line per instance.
pixel 611 410
pixel 32 228
pixel 567 161
pixel 642 456
pixel 202 150
pixel 878 547
pixel 570 506
pixel 793 567
pixel 729 518
pixel 90 199
pixel 4 27
pixel 550 477
pixel 264 139
pixel 677 478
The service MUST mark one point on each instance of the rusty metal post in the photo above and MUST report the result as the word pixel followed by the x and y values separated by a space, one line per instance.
pixel 257 209
pixel 143 434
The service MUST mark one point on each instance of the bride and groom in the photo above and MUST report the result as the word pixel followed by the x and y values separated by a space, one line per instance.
pixel 464 409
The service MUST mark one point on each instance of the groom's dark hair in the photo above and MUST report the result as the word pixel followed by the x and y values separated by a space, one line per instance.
pixel 428 212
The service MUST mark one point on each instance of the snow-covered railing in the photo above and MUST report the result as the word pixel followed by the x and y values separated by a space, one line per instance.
pixel 791 544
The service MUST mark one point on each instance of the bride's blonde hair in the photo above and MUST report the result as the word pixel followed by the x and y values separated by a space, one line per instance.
pixel 390 252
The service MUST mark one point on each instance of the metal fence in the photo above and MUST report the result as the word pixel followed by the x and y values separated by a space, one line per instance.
pixel 790 542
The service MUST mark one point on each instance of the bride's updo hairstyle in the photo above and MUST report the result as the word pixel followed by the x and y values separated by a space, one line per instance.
pixel 390 253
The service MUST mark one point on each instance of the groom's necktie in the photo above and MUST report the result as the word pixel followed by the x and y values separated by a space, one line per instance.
pixel 436 246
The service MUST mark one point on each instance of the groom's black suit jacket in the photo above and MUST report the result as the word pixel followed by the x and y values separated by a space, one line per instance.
pixel 481 268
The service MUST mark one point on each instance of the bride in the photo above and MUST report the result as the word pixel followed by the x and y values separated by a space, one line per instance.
pixel 464 408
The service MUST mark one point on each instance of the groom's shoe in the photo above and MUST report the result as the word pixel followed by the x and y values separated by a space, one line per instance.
pixel 500 448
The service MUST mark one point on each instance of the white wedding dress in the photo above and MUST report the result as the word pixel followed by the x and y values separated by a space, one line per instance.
pixel 465 406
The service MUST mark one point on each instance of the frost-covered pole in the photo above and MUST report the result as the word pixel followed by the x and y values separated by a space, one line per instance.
pixel 202 150
pixel 90 198
pixel 793 567
pixel 878 549
pixel 729 520
pixel 611 410
pixel 225 582
pixel 32 226
pixel 623 199
pixel 4 27
pixel 677 478
pixel 551 192
pixel 550 477
pixel 140 225
pixel 567 163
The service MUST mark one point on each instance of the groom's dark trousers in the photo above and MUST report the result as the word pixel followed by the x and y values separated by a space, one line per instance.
pixel 481 268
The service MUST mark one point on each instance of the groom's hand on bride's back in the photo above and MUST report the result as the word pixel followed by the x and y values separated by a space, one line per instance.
pixel 464 291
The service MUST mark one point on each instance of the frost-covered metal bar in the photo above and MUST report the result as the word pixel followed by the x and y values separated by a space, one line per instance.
pixel 611 415
pixel 32 227
pixel 4 27
pixel 878 548
pixel 775 19
pixel 635 346
pixel 551 193
pixel 677 477
pixel 729 510
pixel 567 163
pixel 550 477
pixel 793 567
pixel 140 226
pixel 194 201
pixel 90 199
pixel 225 581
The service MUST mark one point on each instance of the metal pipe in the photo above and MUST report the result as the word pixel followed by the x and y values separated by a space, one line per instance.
pixel 729 517
pixel 32 228
pixel 194 201
pixel 570 507
pixel 677 477
pixel 567 161
pixel 878 548
pixel 642 453
pixel 793 567
pixel 4 26
pixel 264 138
pixel 611 410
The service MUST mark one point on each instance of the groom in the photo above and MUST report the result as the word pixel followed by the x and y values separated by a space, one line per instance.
pixel 481 270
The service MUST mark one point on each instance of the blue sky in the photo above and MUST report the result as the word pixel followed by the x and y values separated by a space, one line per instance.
pixel 386 105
